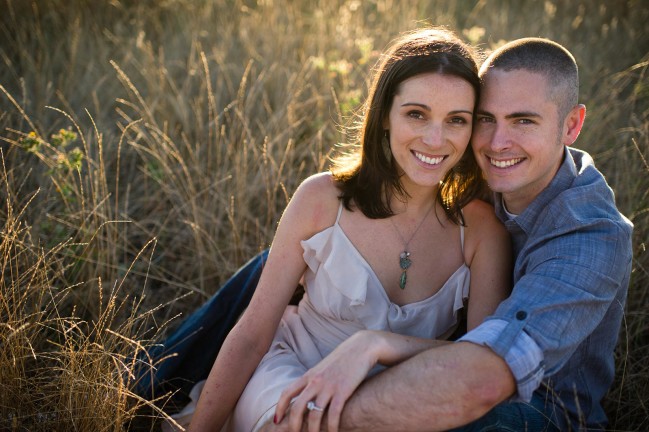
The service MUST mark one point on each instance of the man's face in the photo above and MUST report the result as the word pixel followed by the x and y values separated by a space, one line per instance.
pixel 517 139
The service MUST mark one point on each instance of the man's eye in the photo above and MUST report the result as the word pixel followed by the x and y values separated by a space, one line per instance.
pixel 485 119
pixel 524 121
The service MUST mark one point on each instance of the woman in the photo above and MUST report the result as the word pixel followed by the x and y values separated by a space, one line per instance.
pixel 384 243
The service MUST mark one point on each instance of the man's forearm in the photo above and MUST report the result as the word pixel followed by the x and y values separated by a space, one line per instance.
pixel 441 388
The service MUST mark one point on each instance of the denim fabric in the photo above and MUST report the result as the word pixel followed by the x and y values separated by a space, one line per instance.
pixel 525 358
pixel 192 348
pixel 515 417
pixel 573 261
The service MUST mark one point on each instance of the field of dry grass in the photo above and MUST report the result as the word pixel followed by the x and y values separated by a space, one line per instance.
pixel 148 147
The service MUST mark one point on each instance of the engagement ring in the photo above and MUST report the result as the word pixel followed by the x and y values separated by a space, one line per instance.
pixel 311 406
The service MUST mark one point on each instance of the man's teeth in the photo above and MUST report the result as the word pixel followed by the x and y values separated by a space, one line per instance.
pixel 429 160
pixel 505 163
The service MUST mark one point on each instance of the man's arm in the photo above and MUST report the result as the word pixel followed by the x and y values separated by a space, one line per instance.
pixel 441 388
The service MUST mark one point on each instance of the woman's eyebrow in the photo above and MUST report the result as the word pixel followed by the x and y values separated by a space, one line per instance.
pixel 427 108
pixel 417 104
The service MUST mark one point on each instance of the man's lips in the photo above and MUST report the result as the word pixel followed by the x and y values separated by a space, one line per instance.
pixel 504 163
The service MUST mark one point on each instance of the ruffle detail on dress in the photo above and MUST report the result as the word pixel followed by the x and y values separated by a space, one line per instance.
pixel 342 270
pixel 442 309
pixel 313 249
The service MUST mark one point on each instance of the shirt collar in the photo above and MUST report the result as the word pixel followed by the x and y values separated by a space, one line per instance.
pixel 561 181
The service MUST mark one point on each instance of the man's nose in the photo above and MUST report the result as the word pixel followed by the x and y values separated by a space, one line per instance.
pixel 500 140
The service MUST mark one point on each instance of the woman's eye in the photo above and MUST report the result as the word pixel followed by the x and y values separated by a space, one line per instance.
pixel 415 115
pixel 458 120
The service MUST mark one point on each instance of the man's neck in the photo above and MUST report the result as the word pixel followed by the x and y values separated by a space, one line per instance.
pixel 509 214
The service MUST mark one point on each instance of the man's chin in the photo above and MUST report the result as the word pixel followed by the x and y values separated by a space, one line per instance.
pixel 500 186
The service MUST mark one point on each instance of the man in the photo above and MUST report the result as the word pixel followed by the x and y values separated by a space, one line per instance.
pixel 544 360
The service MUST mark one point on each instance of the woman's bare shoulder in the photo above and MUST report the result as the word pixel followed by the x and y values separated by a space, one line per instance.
pixel 483 228
pixel 317 199
pixel 480 213
pixel 320 183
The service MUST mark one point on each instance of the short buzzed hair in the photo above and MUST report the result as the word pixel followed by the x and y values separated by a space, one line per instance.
pixel 544 57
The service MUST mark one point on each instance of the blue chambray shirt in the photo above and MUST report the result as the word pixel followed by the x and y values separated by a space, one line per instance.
pixel 558 329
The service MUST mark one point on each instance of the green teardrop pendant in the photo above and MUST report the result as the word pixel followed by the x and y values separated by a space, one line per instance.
pixel 402 280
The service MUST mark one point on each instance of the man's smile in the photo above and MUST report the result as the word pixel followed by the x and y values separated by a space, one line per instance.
pixel 504 163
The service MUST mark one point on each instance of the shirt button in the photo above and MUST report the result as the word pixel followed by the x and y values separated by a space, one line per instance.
pixel 521 315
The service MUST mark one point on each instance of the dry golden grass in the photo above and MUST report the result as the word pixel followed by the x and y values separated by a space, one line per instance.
pixel 148 148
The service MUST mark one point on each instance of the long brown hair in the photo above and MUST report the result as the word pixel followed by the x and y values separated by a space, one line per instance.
pixel 369 176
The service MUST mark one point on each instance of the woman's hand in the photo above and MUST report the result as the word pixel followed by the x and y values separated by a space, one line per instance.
pixel 327 386
pixel 332 381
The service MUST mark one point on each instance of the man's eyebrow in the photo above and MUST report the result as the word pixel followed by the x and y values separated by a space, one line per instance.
pixel 514 115
pixel 521 114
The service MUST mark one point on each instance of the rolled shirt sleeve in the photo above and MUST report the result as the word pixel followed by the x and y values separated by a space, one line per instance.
pixel 520 352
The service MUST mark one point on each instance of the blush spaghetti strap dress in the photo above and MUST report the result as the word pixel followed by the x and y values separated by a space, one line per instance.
pixel 342 296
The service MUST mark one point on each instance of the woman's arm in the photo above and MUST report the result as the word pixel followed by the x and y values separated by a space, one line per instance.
pixel 312 207
pixel 488 254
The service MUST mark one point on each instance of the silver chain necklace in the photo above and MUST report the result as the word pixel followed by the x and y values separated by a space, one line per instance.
pixel 404 257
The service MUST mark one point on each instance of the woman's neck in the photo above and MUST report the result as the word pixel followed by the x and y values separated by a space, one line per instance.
pixel 418 202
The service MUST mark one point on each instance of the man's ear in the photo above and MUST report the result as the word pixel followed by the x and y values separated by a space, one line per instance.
pixel 573 123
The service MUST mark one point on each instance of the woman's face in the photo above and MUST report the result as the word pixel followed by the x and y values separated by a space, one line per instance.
pixel 429 125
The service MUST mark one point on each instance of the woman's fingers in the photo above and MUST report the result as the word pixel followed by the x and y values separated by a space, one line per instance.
pixel 309 406
pixel 316 408
pixel 291 391
pixel 334 411
pixel 334 378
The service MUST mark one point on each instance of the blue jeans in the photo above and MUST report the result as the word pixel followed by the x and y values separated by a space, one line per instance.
pixel 516 417
pixel 192 348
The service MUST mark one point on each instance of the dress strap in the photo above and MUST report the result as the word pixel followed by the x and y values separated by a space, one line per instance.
pixel 340 211
pixel 462 238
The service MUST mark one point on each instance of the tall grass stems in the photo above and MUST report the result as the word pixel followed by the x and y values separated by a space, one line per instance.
pixel 149 147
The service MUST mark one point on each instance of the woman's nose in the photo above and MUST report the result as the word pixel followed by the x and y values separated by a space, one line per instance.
pixel 432 135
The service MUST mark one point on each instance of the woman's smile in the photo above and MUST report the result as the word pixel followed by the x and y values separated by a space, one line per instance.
pixel 428 160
